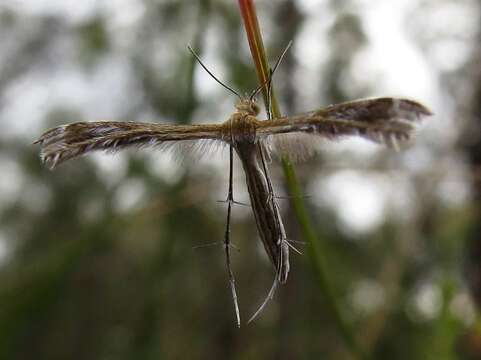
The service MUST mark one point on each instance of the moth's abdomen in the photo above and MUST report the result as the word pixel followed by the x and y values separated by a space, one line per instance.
pixel 268 218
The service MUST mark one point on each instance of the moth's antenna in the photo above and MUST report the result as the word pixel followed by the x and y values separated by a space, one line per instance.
pixel 288 46
pixel 211 74
pixel 271 73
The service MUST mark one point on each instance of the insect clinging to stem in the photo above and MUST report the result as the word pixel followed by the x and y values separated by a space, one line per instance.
pixel 388 121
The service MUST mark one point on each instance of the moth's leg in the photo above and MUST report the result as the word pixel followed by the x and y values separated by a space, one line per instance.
pixel 234 202
pixel 227 244
pixel 230 195
pixel 289 243
pixel 284 243
pixel 269 117
pixel 269 297
pixel 269 96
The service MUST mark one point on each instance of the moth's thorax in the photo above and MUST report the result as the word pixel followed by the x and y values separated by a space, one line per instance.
pixel 240 128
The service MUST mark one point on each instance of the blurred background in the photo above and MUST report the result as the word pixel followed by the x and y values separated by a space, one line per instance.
pixel 97 258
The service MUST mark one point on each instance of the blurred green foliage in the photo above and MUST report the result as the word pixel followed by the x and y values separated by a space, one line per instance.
pixel 85 280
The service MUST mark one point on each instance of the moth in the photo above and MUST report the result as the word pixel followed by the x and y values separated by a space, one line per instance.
pixel 387 121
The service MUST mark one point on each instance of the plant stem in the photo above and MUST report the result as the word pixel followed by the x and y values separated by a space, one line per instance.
pixel 316 257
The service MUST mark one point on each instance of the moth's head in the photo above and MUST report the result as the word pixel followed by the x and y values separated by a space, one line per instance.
pixel 249 106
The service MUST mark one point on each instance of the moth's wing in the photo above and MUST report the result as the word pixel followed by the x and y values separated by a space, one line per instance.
pixel 387 121
pixel 68 141
pixel 297 146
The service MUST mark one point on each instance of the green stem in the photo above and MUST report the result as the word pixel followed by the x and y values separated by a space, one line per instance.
pixel 316 257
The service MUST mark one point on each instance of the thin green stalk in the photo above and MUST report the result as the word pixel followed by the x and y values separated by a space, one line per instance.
pixel 316 257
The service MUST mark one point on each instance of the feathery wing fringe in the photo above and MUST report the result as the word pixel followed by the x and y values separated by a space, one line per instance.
pixel 387 121
pixel 297 146
pixel 68 141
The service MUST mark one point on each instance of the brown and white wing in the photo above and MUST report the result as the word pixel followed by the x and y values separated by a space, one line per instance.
pixel 68 141
pixel 387 121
